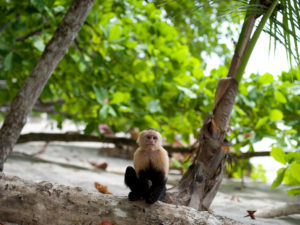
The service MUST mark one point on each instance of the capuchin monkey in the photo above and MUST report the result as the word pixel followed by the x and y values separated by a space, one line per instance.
pixel 147 180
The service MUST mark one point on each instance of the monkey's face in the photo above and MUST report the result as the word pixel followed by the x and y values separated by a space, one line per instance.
pixel 149 139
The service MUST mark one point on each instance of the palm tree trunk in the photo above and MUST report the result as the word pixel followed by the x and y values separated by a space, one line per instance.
pixel 200 183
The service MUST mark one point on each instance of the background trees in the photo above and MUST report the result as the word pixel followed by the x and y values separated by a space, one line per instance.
pixel 132 64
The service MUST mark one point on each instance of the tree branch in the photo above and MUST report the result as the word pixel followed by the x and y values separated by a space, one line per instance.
pixel 32 33
pixel 46 203
pixel 71 137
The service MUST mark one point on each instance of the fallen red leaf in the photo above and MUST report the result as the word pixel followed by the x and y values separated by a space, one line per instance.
pixel 105 222
pixel 102 188
pixel 99 165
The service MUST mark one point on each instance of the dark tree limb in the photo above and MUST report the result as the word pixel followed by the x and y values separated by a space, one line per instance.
pixel 32 33
pixel 71 137
pixel 25 99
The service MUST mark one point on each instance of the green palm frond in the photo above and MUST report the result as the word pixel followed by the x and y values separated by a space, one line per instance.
pixel 283 26
pixel 278 18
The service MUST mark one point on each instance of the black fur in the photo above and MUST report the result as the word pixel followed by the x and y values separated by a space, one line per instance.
pixel 150 185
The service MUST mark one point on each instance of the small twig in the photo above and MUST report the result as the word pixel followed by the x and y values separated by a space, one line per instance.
pixel 32 33
pixel 251 214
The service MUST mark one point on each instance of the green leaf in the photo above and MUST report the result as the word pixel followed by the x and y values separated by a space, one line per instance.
pixel 175 163
pixel 39 45
pixel 187 92
pixel 111 111
pixel 39 4
pixel 98 59
pixel 115 33
pixel 259 173
pixel 279 178
pixel 293 191
pixel 293 157
pixel 278 154
pixel 261 122
pixel 4 45
pixel 7 62
pixel 120 97
pixel 295 171
pixel 90 127
pixel 280 97
pixel 101 95
pixel 154 106
pixel 276 114
pixel 266 79
pixel 103 112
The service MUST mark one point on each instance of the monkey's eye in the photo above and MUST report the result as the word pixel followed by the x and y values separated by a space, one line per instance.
pixel 148 137
pixel 155 138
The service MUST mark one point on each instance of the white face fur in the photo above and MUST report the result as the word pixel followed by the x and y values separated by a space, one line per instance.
pixel 149 139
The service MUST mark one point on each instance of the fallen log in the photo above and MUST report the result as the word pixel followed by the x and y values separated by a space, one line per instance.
pixel 277 211
pixel 25 202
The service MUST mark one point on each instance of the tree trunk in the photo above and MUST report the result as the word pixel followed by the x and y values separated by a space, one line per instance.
pixel 199 185
pixel 34 84
pixel 45 203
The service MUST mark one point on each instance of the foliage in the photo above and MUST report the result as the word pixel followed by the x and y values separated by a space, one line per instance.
pixel 133 64
pixel 269 108
pixel 282 27
pixel 183 166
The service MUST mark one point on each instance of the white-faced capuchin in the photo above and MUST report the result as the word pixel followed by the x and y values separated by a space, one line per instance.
pixel 147 180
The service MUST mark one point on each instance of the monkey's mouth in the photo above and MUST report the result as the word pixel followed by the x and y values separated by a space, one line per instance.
pixel 150 144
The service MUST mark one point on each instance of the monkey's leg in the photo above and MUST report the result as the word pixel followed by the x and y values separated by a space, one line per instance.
pixel 130 177
pixel 158 189
pixel 137 186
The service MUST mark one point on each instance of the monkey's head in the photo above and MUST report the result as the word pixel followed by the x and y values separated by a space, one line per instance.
pixel 149 139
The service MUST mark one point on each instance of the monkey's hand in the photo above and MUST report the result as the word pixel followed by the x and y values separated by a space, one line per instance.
pixel 151 198
pixel 155 193
pixel 133 196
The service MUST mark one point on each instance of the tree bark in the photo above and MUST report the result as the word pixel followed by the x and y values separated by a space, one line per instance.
pixel 73 137
pixel 35 82
pixel 46 203
pixel 200 183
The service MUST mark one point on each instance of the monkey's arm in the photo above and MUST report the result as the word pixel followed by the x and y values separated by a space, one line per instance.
pixel 158 188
